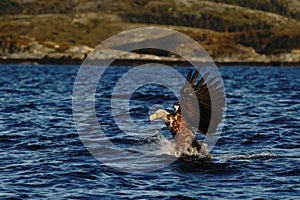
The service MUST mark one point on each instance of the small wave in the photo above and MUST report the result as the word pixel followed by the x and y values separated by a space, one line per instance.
pixel 160 145
pixel 247 157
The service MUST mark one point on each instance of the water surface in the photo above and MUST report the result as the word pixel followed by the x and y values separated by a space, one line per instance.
pixel 42 156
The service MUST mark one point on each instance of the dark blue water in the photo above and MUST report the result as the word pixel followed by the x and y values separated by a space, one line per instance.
pixel 42 156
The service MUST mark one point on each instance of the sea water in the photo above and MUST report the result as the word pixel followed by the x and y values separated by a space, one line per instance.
pixel 43 157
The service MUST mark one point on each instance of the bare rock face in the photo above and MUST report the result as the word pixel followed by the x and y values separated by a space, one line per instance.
pixel 79 52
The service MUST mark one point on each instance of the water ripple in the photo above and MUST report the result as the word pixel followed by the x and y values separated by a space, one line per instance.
pixel 42 156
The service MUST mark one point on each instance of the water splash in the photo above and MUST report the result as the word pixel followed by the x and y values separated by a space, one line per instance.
pixel 157 145
pixel 247 157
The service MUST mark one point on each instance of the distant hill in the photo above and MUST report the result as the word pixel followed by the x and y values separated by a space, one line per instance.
pixel 287 8
pixel 230 30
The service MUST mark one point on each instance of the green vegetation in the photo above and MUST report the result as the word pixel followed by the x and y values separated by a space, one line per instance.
pixel 9 7
pixel 221 26
pixel 288 8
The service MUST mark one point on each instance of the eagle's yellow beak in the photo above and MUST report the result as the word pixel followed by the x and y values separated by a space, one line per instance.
pixel 153 117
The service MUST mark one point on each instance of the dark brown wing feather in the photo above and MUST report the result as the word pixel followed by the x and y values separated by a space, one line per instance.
pixel 196 102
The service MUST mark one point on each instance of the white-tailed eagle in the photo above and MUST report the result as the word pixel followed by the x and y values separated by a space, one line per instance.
pixel 194 112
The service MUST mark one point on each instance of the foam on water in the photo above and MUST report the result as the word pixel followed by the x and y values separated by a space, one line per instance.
pixel 157 145
pixel 247 157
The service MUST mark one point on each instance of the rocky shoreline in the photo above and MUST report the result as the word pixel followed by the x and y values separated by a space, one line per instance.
pixel 131 62
pixel 77 56
pixel 48 52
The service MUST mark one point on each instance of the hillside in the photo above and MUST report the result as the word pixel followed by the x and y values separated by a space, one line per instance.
pixel 265 31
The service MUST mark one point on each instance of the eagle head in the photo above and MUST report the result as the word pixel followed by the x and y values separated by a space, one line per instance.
pixel 160 113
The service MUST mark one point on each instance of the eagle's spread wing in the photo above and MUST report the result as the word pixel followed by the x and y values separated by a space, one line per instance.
pixel 196 99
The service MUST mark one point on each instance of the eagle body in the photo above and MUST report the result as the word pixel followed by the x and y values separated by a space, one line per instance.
pixel 173 123
pixel 195 100
pixel 185 142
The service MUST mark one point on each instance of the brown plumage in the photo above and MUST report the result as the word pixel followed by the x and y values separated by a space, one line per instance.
pixel 194 112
